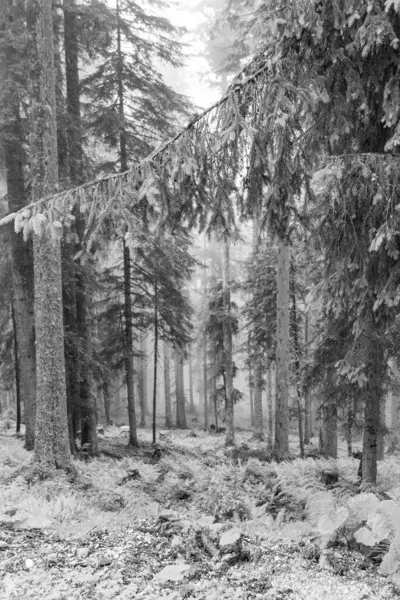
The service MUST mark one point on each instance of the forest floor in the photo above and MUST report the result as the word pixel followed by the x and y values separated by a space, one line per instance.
pixel 196 522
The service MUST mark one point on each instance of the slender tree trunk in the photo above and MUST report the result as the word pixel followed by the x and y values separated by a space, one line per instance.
pixel 155 361
pixel 228 350
pixel 106 398
pixel 143 379
pixel 258 426
pixel 307 391
pixel 22 274
pixel 128 351
pixel 251 397
pixel 214 386
pixel 167 386
pixel 51 443
pixel 17 372
pixel 296 361
pixel 191 397
pixel 129 372
pixel 205 385
pixel 270 407
pixel 180 395
pixel 258 422
pixel 282 352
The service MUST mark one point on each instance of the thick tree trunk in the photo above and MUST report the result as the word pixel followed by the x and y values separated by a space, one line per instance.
pixel 205 385
pixel 307 391
pixel 228 349
pixel 167 386
pixel 330 428
pixel 87 410
pixel 180 395
pixel 375 365
pixel 282 352
pixel 22 274
pixel 128 348
pixel 51 443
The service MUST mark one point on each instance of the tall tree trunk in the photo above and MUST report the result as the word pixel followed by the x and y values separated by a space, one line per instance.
pixel 330 428
pixel 106 397
pixel 155 361
pixel 382 429
pixel 251 382
pixel 258 425
pixel 297 352
pixel 129 371
pixel 142 379
pixel 375 364
pixel 214 386
pixel 258 422
pixel 270 407
pixel 190 367
pixel 180 394
pixel 128 348
pixel 307 391
pixel 86 410
pixel 22 274
pixel 205 384
pixel 51 443
pixel 282 351
pixel 17 372
pixel 167 386
pixel 228 349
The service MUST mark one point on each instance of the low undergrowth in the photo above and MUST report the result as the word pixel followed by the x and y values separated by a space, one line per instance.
pixel 195 479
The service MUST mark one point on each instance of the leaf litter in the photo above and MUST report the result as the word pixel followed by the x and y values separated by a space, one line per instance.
pixel 211 542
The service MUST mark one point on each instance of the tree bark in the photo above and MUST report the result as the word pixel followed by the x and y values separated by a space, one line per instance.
pixel 106 397
pixel 128 348
pixel 205 385
pixel 228 350
pixel 270 407
pixel 375 364
pixel 51 443
pixel 167 386
pixel 258 425
pixel 191 397
pixel 382 429
pixel 22 275
pixel 282 352
pixel 87 409
pixel 142 379
pixel 155 361
pixel 214 386
pixel 296 360
pixel 17 373
pixel 180 395
pixel 330 429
